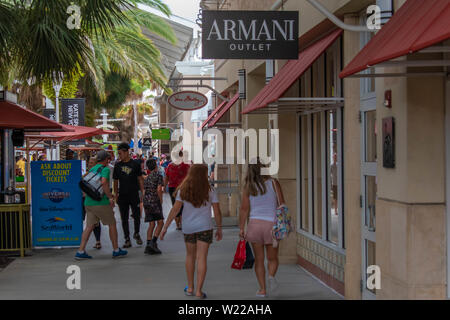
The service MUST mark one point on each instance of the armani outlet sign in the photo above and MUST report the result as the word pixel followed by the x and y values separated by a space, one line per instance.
pixel 249 34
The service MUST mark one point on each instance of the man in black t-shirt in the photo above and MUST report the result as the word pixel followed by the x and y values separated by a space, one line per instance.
pixel 128 180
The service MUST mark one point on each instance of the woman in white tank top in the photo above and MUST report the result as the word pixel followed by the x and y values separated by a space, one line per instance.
pixel 259 204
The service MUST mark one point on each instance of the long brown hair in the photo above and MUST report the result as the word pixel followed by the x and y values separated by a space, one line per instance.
pixel 254 181
pixel 195 187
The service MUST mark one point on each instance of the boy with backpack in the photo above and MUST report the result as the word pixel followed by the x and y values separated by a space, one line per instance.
pixel 102 210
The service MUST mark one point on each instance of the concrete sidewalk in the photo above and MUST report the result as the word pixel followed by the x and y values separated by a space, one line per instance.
pixel 138 276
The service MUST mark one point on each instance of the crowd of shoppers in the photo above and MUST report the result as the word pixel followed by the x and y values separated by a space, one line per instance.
pixel 193 199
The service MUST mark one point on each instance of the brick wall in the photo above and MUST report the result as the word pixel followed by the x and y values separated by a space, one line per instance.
pixel 325 263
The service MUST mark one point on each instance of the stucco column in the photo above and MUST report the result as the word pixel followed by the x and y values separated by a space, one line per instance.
pixel 411 235
pixel 352 168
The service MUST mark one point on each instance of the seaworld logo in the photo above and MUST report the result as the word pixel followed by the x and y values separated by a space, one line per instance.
pixel 56 195
pixel 52 227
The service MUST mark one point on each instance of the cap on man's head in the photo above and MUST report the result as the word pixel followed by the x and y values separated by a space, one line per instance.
pixel 102 155
pixel 69 151
pixel 123 146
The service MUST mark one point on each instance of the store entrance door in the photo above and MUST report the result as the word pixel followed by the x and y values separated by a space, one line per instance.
pixel 368 189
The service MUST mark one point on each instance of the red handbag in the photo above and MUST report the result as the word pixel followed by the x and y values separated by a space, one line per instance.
pixel 239 256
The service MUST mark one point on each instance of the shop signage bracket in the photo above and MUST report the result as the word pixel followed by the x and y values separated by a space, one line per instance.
pixel 201 85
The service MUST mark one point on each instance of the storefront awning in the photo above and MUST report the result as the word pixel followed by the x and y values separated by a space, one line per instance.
pixel 76 133
pixel 213 113
pixel 417 25
pixel 290 73
pixel 223 110
pixel 13 116
pixel 79 132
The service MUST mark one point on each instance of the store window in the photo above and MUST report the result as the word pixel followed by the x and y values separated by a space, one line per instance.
pixel 333 182
pixel 317 172
pixel 321 188
pixel 320 154
pixel 304 174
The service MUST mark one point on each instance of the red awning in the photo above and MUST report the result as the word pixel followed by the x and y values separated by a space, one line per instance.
pixel 215 111
pixel 77 132
pixel 224 109
pixel 418 24
pixel 290 73
pixel 13 116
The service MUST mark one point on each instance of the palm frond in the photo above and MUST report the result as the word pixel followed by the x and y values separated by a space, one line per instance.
pixel 156 4
pixel 154 24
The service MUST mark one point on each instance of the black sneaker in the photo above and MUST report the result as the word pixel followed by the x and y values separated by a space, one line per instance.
pixel 156 249
pixel 127 243
pixel 138 239
pixel 150 248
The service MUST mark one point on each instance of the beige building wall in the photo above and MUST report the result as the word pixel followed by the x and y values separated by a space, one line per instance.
pixel 411 210
pixel 411 217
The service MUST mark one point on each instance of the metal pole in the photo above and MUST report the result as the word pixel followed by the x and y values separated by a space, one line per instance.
pixel 28 170
pixel 57 120
pixel 8 163
pixel 135 147
pixel 105 124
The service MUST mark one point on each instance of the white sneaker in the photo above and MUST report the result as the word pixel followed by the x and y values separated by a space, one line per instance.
pixel 273 285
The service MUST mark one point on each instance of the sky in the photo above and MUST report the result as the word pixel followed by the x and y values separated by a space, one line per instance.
pixel 184 8
pixel 183 11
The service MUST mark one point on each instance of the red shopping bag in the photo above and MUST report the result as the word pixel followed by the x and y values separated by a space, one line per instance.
pixel 239 256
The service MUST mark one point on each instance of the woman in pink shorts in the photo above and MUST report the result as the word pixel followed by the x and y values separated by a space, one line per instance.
pixel 259 203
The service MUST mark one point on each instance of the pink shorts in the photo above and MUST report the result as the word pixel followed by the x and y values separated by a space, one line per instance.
pixel 259 231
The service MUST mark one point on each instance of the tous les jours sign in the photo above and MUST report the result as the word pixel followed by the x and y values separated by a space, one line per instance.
pixel 249 34
pixel 187 100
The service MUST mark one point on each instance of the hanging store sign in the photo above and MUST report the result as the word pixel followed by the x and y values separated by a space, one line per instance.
pixel 73 114
pixel 161 134
pixel 249 34
pixel 73 111
pixel 187 100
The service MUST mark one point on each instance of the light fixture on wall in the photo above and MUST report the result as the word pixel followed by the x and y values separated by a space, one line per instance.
pixel 242 84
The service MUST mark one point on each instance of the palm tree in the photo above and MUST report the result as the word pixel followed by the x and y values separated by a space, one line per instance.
pixel 126 51
pixel 117 89
pixel 35 41
pixel 135 108
pixel 43 45
pixel 8 22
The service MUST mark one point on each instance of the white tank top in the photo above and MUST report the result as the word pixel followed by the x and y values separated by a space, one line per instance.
pixel 264 206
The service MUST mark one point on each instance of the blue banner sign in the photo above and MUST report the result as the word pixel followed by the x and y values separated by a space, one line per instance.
pixel 56 204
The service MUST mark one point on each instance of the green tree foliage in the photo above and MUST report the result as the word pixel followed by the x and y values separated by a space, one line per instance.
pixel 117 88
pixel 35 41
pixel 69 87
